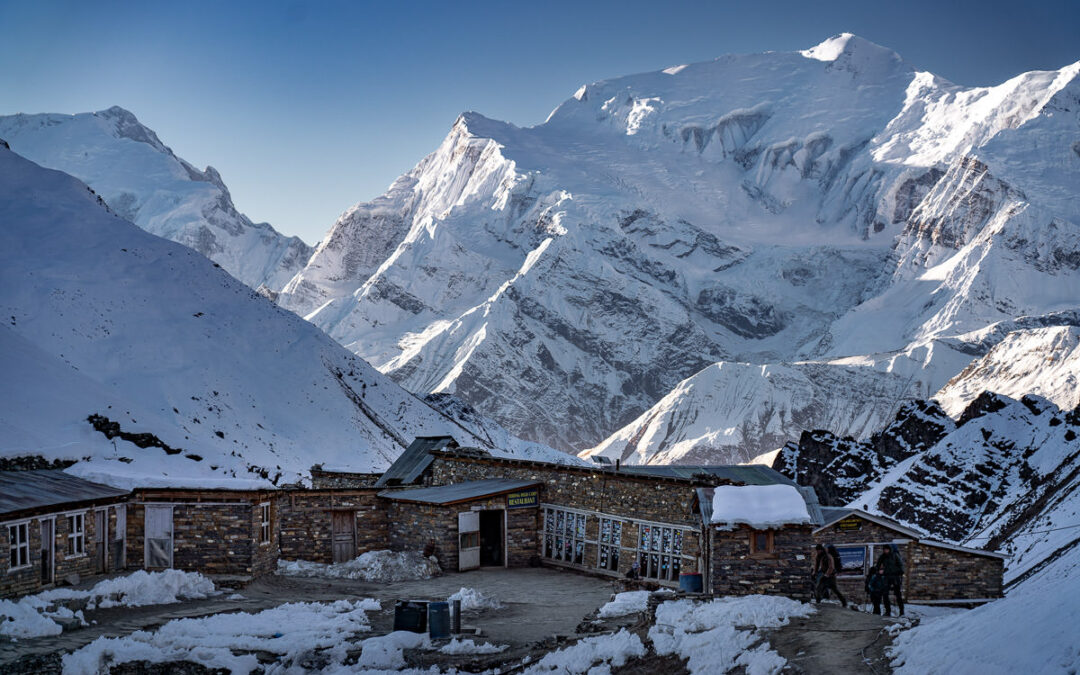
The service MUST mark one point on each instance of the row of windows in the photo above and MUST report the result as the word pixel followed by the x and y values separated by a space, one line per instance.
pixel 659 548
pixel 19 540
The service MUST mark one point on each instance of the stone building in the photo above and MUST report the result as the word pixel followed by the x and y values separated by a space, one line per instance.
pixel 935 572
pixel 330 524
pixel 54 526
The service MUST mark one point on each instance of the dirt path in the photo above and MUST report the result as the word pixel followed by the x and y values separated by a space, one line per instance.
pixel 834 640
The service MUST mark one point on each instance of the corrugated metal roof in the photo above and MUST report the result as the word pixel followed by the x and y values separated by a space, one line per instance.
pixel 22 490
pixel 747 474
pixel 412 463
pixel 459 492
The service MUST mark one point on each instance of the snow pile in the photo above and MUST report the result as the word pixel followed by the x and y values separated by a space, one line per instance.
pixel 473 599
pixel 457 646
pixel 229 641
pixel 385 651
pixel 36 615
pixel 625 603
pixel 706 633
pixel 378 566
pixel 609 650
pixel 759 506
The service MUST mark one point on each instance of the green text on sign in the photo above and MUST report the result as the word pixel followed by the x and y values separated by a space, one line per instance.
pixel 518 500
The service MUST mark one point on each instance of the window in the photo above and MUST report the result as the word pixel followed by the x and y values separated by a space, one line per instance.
pixel 761 543
pixel 564 535
pixel 19 543
pixel 264 525
pixel 610 540
pixel 76 535
pixel 659 552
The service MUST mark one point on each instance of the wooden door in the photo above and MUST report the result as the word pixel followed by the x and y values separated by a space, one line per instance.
pixel 468 540
pixel 159 537
pixel 118 543
pixel 100 555
pixel 343 529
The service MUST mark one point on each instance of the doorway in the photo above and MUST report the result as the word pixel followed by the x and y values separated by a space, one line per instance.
pixel 492 539
pixel 343 535
pixel 48 556
pixel 100 553
pixel 159 537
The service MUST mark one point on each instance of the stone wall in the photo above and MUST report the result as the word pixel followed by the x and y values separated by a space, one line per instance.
pixel 853 586
pixel 321 479
pixel 27 580
pixel 306 526
pixel 734 571
pixel 935 573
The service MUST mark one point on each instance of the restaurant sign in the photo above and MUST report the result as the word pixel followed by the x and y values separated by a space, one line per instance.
pixel 523 499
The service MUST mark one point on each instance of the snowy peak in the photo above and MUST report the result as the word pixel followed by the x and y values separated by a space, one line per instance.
pixel 853 53
pixel 145 182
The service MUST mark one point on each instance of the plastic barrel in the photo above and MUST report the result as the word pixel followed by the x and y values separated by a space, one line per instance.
pixel 438 619
pixel 690 582
pixel 410 615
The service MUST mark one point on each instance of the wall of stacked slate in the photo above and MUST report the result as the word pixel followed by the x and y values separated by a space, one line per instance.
pixel 935 573
pixel 306 522
pixel 784 572
pixel 26 580
pixel 413 527
pixel 340 479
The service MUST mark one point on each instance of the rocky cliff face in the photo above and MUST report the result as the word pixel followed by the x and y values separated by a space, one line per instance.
pixel 775 228
pixel 143 181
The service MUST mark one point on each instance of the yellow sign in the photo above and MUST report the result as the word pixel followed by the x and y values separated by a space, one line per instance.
pixel 523 499
pixel 848 524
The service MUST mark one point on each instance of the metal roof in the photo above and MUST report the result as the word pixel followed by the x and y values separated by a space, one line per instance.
pixel 459 492
pixel 416 458
pixel 23 490
pixel 747 474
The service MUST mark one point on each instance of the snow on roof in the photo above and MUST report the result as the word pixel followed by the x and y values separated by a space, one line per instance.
pixel 759 506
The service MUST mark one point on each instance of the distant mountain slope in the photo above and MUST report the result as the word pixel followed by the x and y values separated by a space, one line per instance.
pixel 804 212
pixel 105 323
pixel 143 181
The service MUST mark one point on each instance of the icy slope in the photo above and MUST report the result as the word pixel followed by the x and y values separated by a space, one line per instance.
pixel 143 181
pixel 102 318
pixel 832 206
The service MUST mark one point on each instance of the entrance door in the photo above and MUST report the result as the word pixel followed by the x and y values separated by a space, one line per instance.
pixel 468 540
pixel 343 535
pixel 48 556
pixel 491 538
pixel 100 525
pixel 159 537
pixel 117 552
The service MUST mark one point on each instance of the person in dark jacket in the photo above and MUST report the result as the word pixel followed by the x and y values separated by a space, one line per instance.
pixel 875 587
pixel 818 573
pixel 893 567
pixel 828 580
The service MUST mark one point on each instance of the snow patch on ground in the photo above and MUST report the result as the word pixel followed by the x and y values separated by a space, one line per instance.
pixel 379 566
pixel 472 599
pixel 706 633
pixel 605 650
pixel 289 631
pixel 457 646
pixel 34 615
pixel 625 603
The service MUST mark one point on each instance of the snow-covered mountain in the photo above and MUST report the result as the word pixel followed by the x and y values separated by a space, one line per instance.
pixel 832 217
pixel 1005 476
pixel 109 332
pixel 142 180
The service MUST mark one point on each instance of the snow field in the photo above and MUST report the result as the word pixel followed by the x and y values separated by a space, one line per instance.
pixel 33 615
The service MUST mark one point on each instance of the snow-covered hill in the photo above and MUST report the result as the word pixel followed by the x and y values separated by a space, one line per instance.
pixel 107 328
pixel 143 181
pixel 832 217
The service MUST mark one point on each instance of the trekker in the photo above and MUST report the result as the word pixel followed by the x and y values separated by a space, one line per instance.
pixel 828 580
pixel 893 566
pixel 875 586
pixel 817 573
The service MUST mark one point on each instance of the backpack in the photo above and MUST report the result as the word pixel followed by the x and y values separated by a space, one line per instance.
pixel 876 583
pixel 836 559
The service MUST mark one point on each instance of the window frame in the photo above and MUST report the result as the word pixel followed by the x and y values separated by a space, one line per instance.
pixel 14 546
pixel 770 544
pixel 265 516
pixel 76 537
pixel 609 543
pixel 659 551
pixel 565 539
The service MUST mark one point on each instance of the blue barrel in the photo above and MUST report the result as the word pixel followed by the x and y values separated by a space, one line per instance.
pixel 438 619
pixel 690 582
pixel 410 615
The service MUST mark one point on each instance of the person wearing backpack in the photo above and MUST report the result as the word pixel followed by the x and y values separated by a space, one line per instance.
pixel 893 567
pixel 818 572
pixel 828 580
pixel 875 586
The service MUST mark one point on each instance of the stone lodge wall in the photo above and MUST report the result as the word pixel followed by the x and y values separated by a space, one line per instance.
pixel 27 579
pixel 321 479
pixel 414 526
pixel 854 587
pixel 658 500
pixel 935 573
pixel 306 527
pixel 735 572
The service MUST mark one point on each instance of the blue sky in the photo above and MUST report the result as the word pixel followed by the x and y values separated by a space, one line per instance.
pixel 309 107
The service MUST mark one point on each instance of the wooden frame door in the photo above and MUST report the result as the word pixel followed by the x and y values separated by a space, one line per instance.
pixel 158 537
pixel 343 535
pixel 468 540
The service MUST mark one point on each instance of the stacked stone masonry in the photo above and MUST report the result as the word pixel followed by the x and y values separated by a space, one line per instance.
pixel 306 522
pixel 785 571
